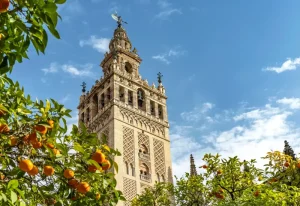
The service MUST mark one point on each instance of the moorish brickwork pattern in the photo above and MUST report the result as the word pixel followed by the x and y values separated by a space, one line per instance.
pixel 128 145
pixel 129 190
pixel 143 140
pixel 159 155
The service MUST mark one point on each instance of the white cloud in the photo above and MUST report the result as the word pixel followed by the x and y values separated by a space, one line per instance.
pixel 52 69
pixel 166 10
pixel 169 54
pixel 289 64
pixel 262 130
pixel 65 99
pixel 198 113
pixel 100 44
pixel 75 71
pixel 167 13
pixel 293 103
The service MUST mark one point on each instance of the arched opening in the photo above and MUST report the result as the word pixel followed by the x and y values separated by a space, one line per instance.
pixel 144 149
pixel 132 170
pixel 163 178
pixel 95 105
pixel 144 170
pixel 128 67
pixel 141 99
pixel 126 168
pixel 88 114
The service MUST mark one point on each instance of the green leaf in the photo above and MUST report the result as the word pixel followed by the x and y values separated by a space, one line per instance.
pixel 47 105
pixel 4 70
pixel 60 1
pixel 116 167
pixel 78 148
pixel 13 196
pixel 13 184
pixel 50 7
pixel 54 32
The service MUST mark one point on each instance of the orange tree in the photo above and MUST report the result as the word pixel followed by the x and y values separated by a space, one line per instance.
pixel 39 163
pixel 234 182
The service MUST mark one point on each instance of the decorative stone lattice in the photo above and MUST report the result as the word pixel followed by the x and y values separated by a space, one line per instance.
pixel 143 140
pixel 159 160
pixel 128 145
pixel 129 190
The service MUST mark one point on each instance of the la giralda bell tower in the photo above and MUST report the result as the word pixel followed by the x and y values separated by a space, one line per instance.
pixel 132 114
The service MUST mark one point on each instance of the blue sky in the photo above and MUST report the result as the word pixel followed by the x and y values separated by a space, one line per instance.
pixel 231 68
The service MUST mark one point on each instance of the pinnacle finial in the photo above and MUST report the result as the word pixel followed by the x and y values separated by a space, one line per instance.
pixel 193 170
pixel 83 87
pixel 118 19
pixel 159 77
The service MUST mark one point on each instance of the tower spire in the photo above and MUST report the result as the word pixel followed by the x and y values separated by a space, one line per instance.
pixel 193 171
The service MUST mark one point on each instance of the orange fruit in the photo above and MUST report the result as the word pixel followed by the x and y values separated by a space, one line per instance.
pixel 298 164
pixel 13 141
pixel 83 187
pixel 26 139
pixel 48 170
pixel 97 196
pixel 25 165
pixel 56 151
pixel 51 123
pixel 41 129
pixel 98 156
pixel 4 4
pixel 68 173
pixel 50 145
pixel 73 183
pixel 286 164
pixel 256 193
pixel 32 138
pixel 204 166
pixel 219 172
pixel 34 171
pixel 37 145
pixel 3 127
pixel 92 168
pixel 106 165
pixel 2 176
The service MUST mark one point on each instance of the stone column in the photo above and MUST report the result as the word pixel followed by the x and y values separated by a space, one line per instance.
pixel 134 99
pixel 148 108
pixel 116 94
pixel 126 95
pixel 156 109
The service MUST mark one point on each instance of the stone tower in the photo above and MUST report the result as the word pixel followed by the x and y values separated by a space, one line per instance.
pixel 133 115
pixel 193 171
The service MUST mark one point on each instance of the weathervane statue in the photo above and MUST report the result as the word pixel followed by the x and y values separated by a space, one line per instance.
pixel 118 19
pixel 159 77
pixel 83 87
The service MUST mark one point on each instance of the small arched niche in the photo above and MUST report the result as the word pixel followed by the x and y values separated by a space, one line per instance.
pixel 141 99
pixel 128 67
pixel 144 149
pixel 144 169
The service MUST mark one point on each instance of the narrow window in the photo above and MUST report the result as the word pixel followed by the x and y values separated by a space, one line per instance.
pixel 152 108
pixel 158 179
pixel 102 100
pixel 160 112
pixel 88 114
pixel 132 170
pixel 127 168
pixel 121 94
pixel 130 97
pixel 108 94
pixel 82 117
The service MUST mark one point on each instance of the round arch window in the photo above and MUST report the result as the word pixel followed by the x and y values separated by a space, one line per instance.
pixel 128 67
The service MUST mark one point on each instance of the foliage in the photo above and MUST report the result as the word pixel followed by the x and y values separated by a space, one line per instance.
pixel 159 195
pixel 234 182
pixel 22 115
pixel 25 23
pixel 39 163
pixel 288 150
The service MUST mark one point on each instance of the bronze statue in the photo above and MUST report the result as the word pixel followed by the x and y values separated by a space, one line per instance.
pixel 83 87
pixel 159 77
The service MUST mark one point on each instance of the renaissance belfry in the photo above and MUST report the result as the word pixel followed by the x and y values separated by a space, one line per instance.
pixel 132 114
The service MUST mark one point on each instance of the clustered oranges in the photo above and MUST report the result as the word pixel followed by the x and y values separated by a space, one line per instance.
pixel 100 158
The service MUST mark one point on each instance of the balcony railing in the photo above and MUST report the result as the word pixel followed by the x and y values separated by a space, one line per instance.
pixel 144 156
pixel 146 178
